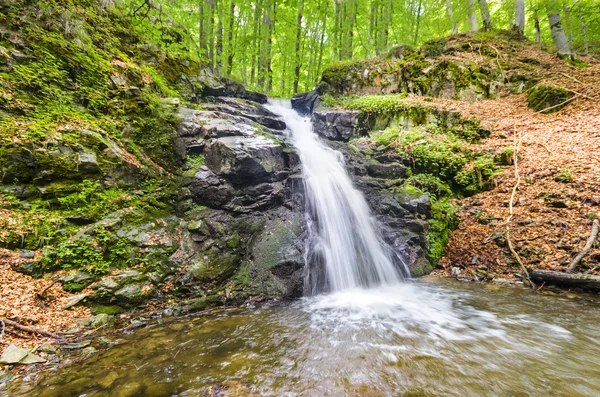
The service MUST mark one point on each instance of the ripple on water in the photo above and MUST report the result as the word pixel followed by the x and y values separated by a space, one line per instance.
pixel 412 339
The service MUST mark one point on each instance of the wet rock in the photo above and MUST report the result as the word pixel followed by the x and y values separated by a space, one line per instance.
pixel 74 300
pixel 76 346
pixel 102 320
pixel 248 110
pixel 306 102
pixel 77 281
pixel 244 160
pixel 386 171
pixel 340 125
pixel 222 87
pixel 130 294
pixel 28 268
pixel 210 190
pixel 27 254
pixel 212 124
pixel 48 349
pixel 16 355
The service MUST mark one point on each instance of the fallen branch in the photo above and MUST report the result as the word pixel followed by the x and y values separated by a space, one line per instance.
pixel 42 295
pixel 573 265
pixel 30 330
pixel 577 280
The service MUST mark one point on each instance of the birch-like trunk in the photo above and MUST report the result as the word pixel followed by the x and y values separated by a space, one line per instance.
pixel 485 15
pixel 558 34
pixel 451 16
pixel 583 33
pixel 520 15
pixel 472 16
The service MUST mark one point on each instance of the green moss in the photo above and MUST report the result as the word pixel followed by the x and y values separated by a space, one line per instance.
pixel 430 184
pixel 434 48
pixel 193 164
pixel 443 221
pixel 545 96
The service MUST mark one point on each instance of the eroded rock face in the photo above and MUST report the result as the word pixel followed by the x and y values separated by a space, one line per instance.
pixel 251 233
pixel 338 125
pixel 245 159
pixel 401 218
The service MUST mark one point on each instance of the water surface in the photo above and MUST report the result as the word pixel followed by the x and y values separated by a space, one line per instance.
pixel 418 338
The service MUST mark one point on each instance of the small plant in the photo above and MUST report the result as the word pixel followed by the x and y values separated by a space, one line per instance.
pixel 565 175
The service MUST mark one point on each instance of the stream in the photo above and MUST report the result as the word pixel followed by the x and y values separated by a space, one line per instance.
pixel 361 330
pixel 418 338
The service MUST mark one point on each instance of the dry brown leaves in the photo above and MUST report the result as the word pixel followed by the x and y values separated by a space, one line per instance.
pixel 18 295
pixel 552 219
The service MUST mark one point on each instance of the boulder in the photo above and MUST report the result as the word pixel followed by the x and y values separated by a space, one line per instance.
pixel 208 189
pixel 337 125
pixel 212 124
pixel 214 85
pixel 17 355
pixel 306 102
pixel 386 171
pixel 245 159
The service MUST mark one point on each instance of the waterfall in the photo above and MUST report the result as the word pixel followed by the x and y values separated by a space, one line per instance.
pixel 343 239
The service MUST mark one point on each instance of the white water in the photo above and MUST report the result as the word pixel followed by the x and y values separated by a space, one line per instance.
pixel 342 230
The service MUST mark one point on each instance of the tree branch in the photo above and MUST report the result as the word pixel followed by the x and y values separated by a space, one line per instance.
pixel 573 265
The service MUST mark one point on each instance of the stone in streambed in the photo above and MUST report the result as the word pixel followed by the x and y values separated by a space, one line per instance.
pixel 18 355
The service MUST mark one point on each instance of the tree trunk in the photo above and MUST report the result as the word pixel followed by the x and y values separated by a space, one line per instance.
pixel 337 32
pixel 230 51
pixel 201 35
pixel 472 16
pixel 220 36
pixel 298 38
pixel 485 15
pixel 538 33
pixel 585 39
pixel 418 22
pixel 451 16
pixel 520 16
pixel 350 49
pixel 210 33
pixel 558 34
pixel 570 280
pixel 569 31
pixel 255 41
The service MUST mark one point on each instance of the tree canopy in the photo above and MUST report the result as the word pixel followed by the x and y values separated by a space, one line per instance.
pixel 281 46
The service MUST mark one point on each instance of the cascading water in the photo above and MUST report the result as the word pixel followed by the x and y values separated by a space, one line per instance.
pixel 342 230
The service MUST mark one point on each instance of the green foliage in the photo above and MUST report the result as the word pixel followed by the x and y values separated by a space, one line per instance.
pixel 376 104
pixel 564 175
pixel 443 221
pixel 74 254
pixel 193 164
pixel 477 175
pixel 430 184
pixel 506 157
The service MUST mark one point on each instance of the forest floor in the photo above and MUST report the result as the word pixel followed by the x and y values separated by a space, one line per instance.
pixel 558 196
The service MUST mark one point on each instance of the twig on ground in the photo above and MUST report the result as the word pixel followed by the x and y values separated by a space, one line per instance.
pixel 573 265
pixel 31 330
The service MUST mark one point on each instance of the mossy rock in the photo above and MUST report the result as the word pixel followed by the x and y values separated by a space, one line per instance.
pixel 545 96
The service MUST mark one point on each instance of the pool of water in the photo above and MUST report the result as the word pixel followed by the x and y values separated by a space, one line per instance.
pixel 419 338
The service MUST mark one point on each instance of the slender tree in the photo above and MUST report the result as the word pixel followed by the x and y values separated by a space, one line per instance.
pixel 485 15
pixel 298 61
pixel 558 34
pixel 520 16
pixel 472 16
